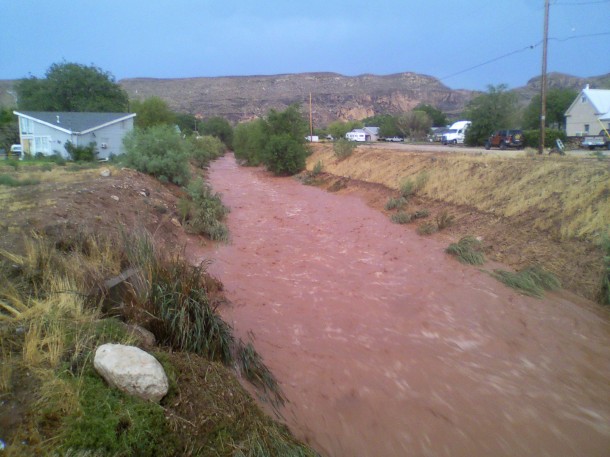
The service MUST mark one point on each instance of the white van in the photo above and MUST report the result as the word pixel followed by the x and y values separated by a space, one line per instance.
pixel 456 133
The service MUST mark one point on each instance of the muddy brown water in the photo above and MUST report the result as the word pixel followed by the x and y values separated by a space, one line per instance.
pixel 385 346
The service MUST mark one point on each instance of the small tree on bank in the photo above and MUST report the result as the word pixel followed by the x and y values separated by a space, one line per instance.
pixel 491 111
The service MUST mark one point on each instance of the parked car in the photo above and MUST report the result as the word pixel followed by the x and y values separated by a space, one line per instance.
pixel 395 139
pixel 16 151
pixel 597 141
pixel 504 139
pixel 437 135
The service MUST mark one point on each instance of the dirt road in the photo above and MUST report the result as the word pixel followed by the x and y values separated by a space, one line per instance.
pixel 385 346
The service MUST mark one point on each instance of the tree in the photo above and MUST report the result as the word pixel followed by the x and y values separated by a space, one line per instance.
pixel 557 102
pixel 220 128
pixel 439 119
pixel 493 110
pixel 186 122
pixel 152 111
pixel 72 87
pixel 338 129
pixel 9 129
pixel 385 122
pixel 414 124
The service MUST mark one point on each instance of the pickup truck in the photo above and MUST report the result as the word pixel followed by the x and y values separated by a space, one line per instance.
pixel 597 141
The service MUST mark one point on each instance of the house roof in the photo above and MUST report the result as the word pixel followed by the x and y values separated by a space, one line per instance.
pixel 372 130
pixel 599 99
pixel 75 123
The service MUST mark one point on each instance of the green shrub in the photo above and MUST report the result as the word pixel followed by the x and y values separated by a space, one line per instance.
pixel 81 153
pixel 531 281
pixel 204 212
pixel 401 217
pixel 444 220
pixel 407 188
pixel 158 151
pixel 10 181
pixel 420 214
pixel 427 228
pixel 395 203
pixel 283 155
pixel 343 148
pixel 317 168
pixel 467 250
pixel 249 141
pixel 531 138
pixel 205 149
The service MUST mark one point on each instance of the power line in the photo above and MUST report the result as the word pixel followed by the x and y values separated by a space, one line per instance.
pixel 596 2
pixel 495 59
pixel 520 50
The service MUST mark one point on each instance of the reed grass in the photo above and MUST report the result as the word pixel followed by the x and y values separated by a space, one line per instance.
pixel 533 280
pixel 467 250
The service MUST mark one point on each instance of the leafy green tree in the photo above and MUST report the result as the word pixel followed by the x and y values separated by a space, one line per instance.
pixel 187 123
pixel 152 111
pixel 493 110
pixel 249 142
pixel 385 122
pixel 557 102
pixel 158 151
pixel 9 129
pixel 338 129
pixel 284 155
pixel 72 87
pixel 204 149
pixel 220 128
pixel 413 124
pixel 439 119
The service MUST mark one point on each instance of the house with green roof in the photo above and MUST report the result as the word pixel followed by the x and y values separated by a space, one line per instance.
pixel 46 133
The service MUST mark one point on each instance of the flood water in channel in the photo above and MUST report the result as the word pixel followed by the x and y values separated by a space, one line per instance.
pixel 385 346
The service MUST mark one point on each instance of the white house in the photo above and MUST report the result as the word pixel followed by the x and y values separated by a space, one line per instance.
pixel 46 133
pixel 589 113
pixel 363 134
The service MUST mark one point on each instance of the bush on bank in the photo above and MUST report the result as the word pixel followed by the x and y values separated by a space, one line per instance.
pixel 278 142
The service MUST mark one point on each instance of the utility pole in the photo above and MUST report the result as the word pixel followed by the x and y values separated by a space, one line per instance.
pixel 310 120
pixel 545 42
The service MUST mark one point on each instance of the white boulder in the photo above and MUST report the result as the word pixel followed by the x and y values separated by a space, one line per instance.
pixel 131 370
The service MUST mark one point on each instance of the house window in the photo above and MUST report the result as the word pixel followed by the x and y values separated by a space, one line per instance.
pixel 26 126
pixel 586 128
pixel 42 144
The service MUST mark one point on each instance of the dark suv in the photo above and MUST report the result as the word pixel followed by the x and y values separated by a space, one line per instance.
pixel 505 139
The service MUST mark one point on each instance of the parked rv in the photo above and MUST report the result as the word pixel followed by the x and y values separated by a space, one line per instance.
pixel 456 133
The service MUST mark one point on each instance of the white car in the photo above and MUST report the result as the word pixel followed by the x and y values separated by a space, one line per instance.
pixel 17 151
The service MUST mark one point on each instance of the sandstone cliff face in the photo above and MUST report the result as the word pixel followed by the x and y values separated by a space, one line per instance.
pixel 334 96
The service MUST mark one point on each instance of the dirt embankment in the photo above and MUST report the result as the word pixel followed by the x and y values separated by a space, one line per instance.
pixel 528 210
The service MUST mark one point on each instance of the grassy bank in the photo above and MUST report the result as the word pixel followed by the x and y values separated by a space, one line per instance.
pixel 56 308
pixel 551 210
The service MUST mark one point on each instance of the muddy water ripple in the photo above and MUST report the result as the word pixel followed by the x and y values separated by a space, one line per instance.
pixel 385 346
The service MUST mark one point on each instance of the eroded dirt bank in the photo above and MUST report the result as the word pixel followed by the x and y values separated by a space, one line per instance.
pixel 385 346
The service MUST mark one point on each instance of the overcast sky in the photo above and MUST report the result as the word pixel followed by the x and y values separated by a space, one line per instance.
pixel 190 38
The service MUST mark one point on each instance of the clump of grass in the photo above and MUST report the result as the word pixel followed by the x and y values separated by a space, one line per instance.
pixel 420 214
pixel 533 280
pixel 444 220
pixel 11 181
pixel 186 320
pixel 604 296
pixel 395 203
pixel 203 212
pixel 401 217
pixel 343 148
pixel 410 187
pixel 255 371
pixel 467 250
pixel 317 168
pixel 427 228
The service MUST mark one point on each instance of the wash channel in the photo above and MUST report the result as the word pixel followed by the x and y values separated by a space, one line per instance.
pixel 386 346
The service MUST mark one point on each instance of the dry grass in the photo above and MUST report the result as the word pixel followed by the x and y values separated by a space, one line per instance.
pixel 572 194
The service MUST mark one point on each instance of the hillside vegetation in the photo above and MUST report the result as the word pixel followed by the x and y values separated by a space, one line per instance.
pixel 556 210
